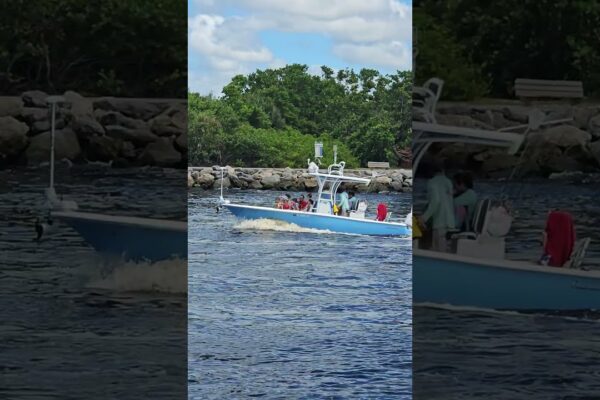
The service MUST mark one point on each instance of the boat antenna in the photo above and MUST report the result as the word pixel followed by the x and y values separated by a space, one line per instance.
pixel 221 199
pixel 53 102
pixel 318 152
pixel 335 148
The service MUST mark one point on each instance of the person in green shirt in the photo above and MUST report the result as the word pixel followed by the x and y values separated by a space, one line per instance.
pixel 440 207
pixel 343 203
pixel 465 200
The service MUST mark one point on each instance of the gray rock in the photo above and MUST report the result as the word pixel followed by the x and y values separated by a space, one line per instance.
pixel 163 126
pixel 134 108
pixel 270 181
pixel 518 113
pixel 204 180
pixel 80 106
pixel 128 151
pixel 226 183
pixel 138 137
pixel 594 126
pixel 44 125
pixel 181 143
pixel 13 137
pixel 255 185
pixel 161 153
pixel 384 180
pixel 190 180
pixel 310 183
pixel 463 121
pixel 34 98
pixel 85 125
pixel 32 114
pixel 561 136
pixel 583 114
pixel 116 118
pixel 103 148
pixel 595 151
pixel 10 106
pixel 397 186
pixel 66 146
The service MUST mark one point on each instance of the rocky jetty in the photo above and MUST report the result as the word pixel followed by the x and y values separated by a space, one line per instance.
pixel 124 131
pixel 572 146
pixel 390 180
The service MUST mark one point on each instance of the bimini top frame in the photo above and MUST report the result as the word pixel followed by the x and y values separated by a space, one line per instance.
pixel 329 184
pixel 424 134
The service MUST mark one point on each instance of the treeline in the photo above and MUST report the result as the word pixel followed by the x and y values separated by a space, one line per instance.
pixel 131 48
pixel 479 48
pixel 272 117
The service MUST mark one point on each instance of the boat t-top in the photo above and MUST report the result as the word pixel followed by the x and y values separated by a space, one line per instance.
pixel 322 216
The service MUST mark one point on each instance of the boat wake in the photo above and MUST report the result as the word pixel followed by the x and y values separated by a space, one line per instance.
pixel 168 276
pixel 263 224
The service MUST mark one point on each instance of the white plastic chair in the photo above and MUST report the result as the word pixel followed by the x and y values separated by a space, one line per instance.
pixel 425 98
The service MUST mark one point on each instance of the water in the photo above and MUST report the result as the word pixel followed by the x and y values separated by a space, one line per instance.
pixel 75 325
pixel 469 354
pixel 281 312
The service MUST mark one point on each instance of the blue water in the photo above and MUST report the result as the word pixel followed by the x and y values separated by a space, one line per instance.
pixel 277 313
pixel 73 324
pixel 462 354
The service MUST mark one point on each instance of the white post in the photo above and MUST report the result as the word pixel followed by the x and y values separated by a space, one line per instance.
pixel 52 145
pixel 335 153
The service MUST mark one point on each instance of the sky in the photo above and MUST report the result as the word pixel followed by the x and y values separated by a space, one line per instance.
pixel 230 37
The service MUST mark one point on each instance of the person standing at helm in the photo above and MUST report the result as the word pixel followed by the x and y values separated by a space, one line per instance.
pixel 343 203
pixel 440 207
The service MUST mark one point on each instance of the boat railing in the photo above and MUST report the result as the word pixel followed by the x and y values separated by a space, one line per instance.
pixel 336 169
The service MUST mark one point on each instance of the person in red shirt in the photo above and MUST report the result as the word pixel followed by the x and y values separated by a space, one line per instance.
pixel 381 212
pixel 302 203
pixel 559 239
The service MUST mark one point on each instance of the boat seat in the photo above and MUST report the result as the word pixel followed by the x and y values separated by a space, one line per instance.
pixel 576 259
pixel 478 223
pixel 360 211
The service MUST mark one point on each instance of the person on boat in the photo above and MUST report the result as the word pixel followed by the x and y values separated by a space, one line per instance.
pixel 465 200
pixel 280 201
pixel 303 204
pixel 311 203
pixel 558 239
pixel 353 201
pixel 440 207
pixel 343 204
pixel 288 203
pixel 381 212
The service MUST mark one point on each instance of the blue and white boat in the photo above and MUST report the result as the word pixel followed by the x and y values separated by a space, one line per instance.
pixel 129 238
pixel 322 215
pixel 477 273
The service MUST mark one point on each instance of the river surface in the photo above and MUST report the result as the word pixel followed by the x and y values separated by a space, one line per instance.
pixel 473 354
pixel 78 326
pixel 281 312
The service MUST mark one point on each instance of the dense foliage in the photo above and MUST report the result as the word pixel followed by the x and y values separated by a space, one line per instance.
pixel 480 48
pixel 116 47
pixel 271 118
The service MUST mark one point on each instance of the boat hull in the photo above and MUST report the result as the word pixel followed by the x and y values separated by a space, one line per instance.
pixel 330 223
pixel 508 285
pixel 132 239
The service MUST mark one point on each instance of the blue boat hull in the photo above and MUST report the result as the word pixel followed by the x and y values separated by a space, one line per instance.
pixel 330 223
pixel 459 281
pixel 132 239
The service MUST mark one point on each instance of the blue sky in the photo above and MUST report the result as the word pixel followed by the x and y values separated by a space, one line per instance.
pixel 228 37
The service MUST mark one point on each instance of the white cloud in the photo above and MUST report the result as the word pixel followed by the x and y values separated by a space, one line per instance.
pixel 393 55
pixel 374 33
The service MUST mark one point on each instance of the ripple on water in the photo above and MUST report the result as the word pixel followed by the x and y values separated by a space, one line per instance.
pixel 282 313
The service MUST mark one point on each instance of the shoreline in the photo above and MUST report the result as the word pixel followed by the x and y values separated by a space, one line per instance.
pixel 295 179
